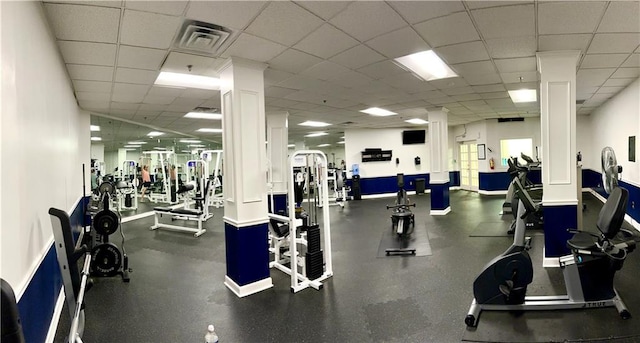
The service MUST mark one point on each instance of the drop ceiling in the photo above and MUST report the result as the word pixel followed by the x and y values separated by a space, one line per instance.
pixel 329 59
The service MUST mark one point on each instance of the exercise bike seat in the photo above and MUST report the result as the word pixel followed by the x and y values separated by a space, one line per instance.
pixel 582 241
pixel 402 214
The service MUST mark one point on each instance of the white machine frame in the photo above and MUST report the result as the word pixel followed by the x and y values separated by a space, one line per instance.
pixel 165 196
pixel 204 168
pixel 216 198
pixel 299 281
pixel 121 193
pixel 185 213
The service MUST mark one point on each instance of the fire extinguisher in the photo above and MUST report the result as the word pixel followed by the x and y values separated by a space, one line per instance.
pixel 492 164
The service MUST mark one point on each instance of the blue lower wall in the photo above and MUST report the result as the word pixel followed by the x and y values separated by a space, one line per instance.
pixel 496 181
pixel 440 196
pixel 280 203
pixel 454 178
pixel 388 184
pixel 38 301
pixel 592 179
pixel 247 251
pixel 557 220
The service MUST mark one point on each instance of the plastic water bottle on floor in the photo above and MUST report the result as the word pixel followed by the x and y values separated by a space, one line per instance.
pixel 211 336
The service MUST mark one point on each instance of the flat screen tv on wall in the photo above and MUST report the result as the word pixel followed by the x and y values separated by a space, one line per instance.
pixel 413 137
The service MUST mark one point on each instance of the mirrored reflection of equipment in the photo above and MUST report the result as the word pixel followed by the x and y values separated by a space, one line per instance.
pixel 402 219
pixel 215 159
pixel 199 214
pixel 107 258
pixel 588 272
pixel 300 245
pixel 126 192
pixel 337 188
pixel 162 189
pixel 75 281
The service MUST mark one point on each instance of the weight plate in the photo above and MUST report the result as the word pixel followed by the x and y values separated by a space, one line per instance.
pixel 105 222
pixel 106 260
pixel 106 187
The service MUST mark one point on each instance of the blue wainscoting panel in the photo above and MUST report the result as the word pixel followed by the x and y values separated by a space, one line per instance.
pixel 439 196
pixel 454 178
pixel 389 184
pixel 247 251
pixel 280 202
pixel 557 219
pixel 496 181
pixel 592 179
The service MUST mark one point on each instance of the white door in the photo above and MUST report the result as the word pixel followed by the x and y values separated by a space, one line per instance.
pixel 469 166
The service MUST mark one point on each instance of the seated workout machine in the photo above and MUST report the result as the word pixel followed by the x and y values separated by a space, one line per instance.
pixel 200 213
pixel 402 219
pixel 588 271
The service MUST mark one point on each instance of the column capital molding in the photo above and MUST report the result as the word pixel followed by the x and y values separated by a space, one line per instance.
pixel 275 113
pixel 565 54
pixel 441 109
pixel 242 62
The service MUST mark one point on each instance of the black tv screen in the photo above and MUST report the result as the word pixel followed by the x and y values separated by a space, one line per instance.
pixel 413 137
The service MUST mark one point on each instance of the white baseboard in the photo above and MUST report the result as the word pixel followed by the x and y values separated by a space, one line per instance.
pixel 483 192
pixel 243 291
pixel 440 212
pixel 57 311
pixel 454 188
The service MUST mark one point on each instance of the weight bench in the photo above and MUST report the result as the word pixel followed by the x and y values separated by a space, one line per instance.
pixel 200 215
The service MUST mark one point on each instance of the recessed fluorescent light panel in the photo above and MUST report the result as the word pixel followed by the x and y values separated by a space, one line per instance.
pixel 190 141
pixel 155 134
pixel 96 138
pixel 316 134
pixel 95 128
pixel 132 146
pixel 341 142
pixel 314 123
pixel 523 95
pixel 203 115
pixel 137 143
pixel 323 145
pixel 291 146
pixel 159 148
pixel 129 149
pixel 427 65
pixel 209 130
pixel 187 81
pixel 379 112
pixel 417 121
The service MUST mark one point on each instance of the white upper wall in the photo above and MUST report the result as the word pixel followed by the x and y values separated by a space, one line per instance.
pixel 43 172
pixel 611 125
pixel 386 139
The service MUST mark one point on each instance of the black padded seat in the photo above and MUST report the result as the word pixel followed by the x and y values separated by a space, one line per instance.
pixel 187 211
pixel 582 241
pixel 402 214
pixel 280 229
pixel 162 209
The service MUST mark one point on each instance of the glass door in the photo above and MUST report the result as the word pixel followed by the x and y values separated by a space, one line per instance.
pixel 469 166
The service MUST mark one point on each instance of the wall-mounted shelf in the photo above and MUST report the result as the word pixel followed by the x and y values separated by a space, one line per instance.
pixel 371 155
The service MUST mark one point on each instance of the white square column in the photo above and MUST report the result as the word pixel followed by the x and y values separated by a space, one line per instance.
pixel 558 132
pixel 439 153
pixel 245 181
pixel 277 150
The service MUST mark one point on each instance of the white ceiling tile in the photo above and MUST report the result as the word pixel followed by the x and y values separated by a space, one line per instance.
pixel 522 85
pixel 621 16
pixel 94 105
pixel 482 79
pixel 485 4
pixel 177 62
pixel 358 56
pixel 149 30
pixel 407 82
pixel 453 82
pixel 91 86
pixel 325 70
pixel 124 106
pixel 568 17
pixel 430 95
pixel 381 69
pixel 352 79
pixel 583 96
pixel 618 82
pixel 603 60
pixel 632 61
pixel 117 3
pixel 141 58
pixel 254 48
pixel 130 88
pixel 89 72
pixel 451 29
pixel 593 77
pixel 127 97
pixel 610 90
pixel 175 8
pixel 156 100
pixel 525 76
pixel 84 23
pixel 493 95
pixel 277 92
pixel 234 14
pixel 586 89
pixel 193 93
pixel 418 11
pixel 361 19
pixel 324 9
pixel 479 67
pixel 122 113
pixel 145 77
pixel 326 41
pixel 614 42
pixel 623 73
pixel 471 99
pixel 512 47
pixel 600 97
pixel 564 42
pixel 294 61
pixel 458 90
pixel 283 22
pixel 498 103
pixel 465 52
pixel 273 76
pixel 511 65
pixel 165 91
pixel 184 104
pixel 508 21
pixel 398 43
pixel 88 53
pixel 93 96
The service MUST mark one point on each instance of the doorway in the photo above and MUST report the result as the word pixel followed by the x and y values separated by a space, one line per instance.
pixel 469 166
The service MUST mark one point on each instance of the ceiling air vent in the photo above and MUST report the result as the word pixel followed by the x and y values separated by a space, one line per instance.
pixel 347 123
pixel 202 37
pixel 580 102
pixel 207 109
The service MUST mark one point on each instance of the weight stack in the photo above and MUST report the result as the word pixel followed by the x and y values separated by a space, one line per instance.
pixel 314 264
pixel 313 238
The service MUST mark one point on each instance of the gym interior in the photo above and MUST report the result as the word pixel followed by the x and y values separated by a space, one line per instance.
pixel 315 171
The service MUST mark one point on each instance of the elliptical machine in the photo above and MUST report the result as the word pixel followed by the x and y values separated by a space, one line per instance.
pixel 402 219
pixel 588 272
